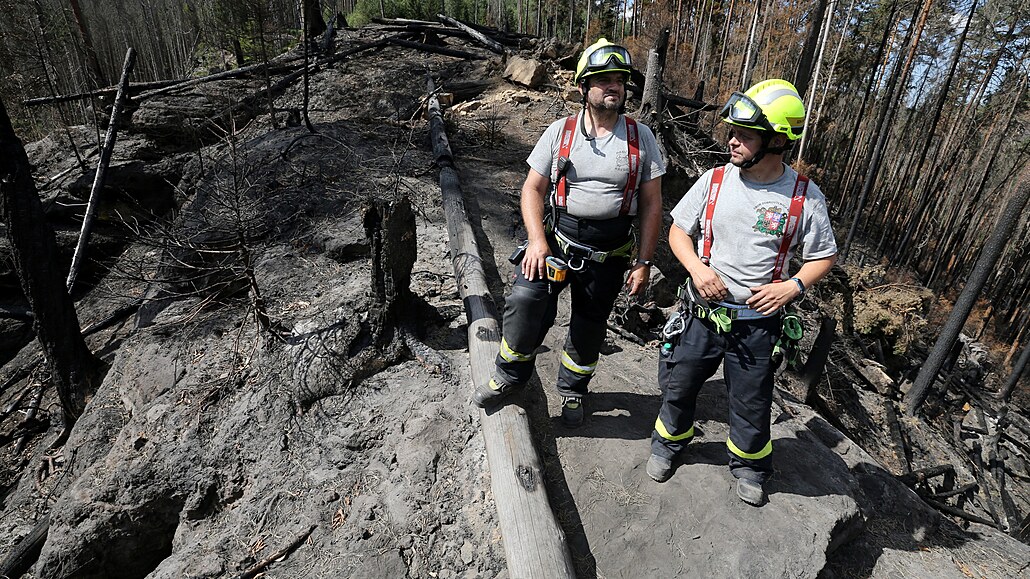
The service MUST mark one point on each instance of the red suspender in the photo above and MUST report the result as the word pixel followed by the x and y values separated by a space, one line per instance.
pixel 567 135
pixel 793 219
pixel 713 196
pixel 634 165
pixel 565 147
pixel 797 203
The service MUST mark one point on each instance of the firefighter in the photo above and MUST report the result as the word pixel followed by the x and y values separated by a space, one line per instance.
pixel 735 232
pixel 590 176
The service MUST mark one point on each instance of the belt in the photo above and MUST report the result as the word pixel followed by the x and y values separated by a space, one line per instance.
pixel 574 250
pixel 722 314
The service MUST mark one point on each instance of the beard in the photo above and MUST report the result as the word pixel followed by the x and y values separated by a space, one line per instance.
pixel 606 104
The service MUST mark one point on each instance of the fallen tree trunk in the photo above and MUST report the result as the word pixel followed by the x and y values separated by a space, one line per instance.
pixel 477 35
pixel 435 49
pixel 98 180
pixel 104 92
pixel 534 543
pixel 691 103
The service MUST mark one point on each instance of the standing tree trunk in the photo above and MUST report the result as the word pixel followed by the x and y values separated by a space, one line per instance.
pixel 984 267
pixel 314 24
pixel 75 370
pixel 750 48
pixel 879 144
pixel 804 72
pixel 87 45
pixel 809 117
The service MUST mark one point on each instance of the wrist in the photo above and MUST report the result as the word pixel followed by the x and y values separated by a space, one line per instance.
pixel 646 262
pixel 800 284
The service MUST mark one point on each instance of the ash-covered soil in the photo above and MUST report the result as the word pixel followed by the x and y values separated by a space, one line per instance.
pixel 319 443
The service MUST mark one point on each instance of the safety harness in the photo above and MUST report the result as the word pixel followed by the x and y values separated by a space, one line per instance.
pixel 578 253
pixel 561 191
pixel 723 314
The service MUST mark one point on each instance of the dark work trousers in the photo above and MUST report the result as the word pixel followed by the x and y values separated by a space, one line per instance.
pixel 530 311
pixel 693 358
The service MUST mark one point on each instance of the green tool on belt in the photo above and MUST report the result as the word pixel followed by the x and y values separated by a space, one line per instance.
pixel 788 345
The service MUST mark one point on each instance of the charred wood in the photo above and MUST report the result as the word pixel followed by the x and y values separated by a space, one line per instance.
pixel 436 49
pixel 493 45
pixel 924 474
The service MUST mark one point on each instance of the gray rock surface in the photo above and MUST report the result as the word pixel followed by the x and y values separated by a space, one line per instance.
pixel 528 72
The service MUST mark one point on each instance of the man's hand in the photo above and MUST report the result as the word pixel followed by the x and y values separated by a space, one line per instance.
pixel 772 296
pixel 638 278
pixel 708 283
pixel 533 263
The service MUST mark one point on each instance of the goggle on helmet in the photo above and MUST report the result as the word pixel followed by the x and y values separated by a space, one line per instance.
pixel 603 56
pixel 772 105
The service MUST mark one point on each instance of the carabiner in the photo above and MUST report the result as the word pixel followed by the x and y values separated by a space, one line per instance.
pixel 674 326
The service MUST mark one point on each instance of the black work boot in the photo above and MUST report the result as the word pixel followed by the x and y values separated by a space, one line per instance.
pixel 572 412
pixel 659 468
pixel 750 492
pixel 491 393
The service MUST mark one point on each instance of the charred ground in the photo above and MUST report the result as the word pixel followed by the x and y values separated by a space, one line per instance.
pixel 265 399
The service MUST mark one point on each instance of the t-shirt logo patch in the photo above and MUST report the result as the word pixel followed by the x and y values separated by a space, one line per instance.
pixel 622 161
pixel 771 220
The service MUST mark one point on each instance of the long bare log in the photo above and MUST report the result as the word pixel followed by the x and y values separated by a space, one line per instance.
pixel 534 543
pixel 98 180
pixel 103 92
pixel 690 103
pixel 237 72
pixel 925 474
pixel 956 512
pixel 477 35
pixel 436 49
pixel 25 553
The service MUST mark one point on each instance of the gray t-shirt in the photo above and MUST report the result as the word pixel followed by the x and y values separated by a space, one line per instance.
pixel 599 169
pixel 747 227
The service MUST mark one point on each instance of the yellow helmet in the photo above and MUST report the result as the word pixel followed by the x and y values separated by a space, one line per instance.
pixel 603 56
pixel 771 105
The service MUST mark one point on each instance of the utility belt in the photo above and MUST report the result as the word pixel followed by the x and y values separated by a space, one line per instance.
pixel 577 254
pixel 722 314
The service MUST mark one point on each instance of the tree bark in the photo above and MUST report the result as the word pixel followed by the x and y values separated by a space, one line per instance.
pixel 824 38
pixel 314 24
pixel 964 304
pixel 75 370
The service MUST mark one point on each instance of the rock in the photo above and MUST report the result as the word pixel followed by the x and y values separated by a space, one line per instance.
pixel 877 376
pixel 526 71
pixel 550 48
pixel 131 192
pixel 466 107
